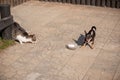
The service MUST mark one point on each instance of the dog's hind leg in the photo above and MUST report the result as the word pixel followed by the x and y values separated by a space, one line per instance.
pixel 92 44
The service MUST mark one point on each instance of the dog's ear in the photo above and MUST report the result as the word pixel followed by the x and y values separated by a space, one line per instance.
pixel 85 32
pixel 75 40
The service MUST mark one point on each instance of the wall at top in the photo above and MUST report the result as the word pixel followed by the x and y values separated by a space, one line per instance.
pixel 102 3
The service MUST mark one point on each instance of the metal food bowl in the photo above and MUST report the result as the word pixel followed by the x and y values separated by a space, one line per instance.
pixel 71 46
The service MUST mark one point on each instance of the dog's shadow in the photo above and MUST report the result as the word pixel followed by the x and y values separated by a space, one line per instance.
pixel 80 40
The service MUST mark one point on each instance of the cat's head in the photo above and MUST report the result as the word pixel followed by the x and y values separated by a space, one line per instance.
pixel 33 37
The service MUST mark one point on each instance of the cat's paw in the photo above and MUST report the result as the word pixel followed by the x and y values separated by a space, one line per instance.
pixel 20 42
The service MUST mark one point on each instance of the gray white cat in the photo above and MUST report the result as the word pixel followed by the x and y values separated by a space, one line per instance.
pixel 20 35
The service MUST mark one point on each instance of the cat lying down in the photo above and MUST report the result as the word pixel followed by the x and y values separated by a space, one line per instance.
pixel 25 39
pixel 20 35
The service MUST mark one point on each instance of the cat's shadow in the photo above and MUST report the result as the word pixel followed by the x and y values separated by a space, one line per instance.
pixel 80 40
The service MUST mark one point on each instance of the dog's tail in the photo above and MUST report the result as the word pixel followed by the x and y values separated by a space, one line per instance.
pixel 93 28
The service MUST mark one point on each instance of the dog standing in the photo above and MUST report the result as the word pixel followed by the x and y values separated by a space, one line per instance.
pixel 90 37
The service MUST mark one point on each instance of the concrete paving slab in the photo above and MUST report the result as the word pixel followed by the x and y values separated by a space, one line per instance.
pixel 55 25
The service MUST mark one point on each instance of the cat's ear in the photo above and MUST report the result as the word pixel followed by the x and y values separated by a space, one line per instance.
pixel 33 34
pixel 34 37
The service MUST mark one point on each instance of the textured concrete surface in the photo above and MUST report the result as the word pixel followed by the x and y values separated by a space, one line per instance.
pixel 55 25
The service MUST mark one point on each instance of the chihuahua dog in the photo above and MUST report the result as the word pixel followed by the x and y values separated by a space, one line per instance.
pixel 90 37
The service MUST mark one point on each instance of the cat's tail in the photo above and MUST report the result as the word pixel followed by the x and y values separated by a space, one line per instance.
pixel 19 27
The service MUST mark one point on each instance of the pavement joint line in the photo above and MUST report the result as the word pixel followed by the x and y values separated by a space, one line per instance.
pixel 65 64
pixel 116 70
pixel 119 60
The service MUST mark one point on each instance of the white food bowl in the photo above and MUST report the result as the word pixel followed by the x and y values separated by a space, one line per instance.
pixel 71 46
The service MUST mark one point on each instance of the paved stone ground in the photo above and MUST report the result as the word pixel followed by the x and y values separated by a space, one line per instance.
pixel 55 25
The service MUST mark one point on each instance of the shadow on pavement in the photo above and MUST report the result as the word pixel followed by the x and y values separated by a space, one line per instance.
pixel 80 40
